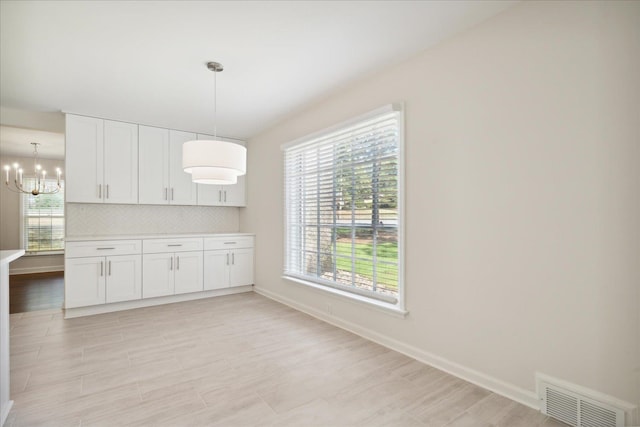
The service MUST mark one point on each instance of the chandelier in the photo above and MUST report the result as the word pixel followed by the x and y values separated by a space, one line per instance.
pixel 214 161
pixel 40 184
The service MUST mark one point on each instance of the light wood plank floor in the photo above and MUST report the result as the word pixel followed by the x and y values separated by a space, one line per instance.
pixel 239 360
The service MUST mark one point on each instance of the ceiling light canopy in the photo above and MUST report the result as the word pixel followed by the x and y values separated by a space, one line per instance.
pixel 214 161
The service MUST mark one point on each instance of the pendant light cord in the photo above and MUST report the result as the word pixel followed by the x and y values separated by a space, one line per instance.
pixel 215 106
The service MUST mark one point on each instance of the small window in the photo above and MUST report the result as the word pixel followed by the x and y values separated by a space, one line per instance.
pixel 43 221
pixel 343 207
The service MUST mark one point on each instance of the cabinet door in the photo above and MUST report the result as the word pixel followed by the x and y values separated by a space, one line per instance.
pixel 188 272
pixel 120 162
pixel 153 163
pixel 216 270
pixel 124 278
pixel 241 269
pixel 234 195
pixel 84 139
pixel 157 275
pixel 210 195
pixel 84 281
pixel 182 191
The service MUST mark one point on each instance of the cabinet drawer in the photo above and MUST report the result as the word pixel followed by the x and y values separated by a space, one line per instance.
pixel 156 246
pixel 102 248
pixel 230 242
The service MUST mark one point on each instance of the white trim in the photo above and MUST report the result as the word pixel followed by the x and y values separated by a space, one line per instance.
pixel 5 411
pixel 70 313
pixel 42 269
pixel 372 302
pixel 326 131
pixel 44 253
pixel 401 207
pixel 513 392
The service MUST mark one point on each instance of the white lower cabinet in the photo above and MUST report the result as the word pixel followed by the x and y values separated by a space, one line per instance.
pixel 188 272
pixel 241 268
pixel 172 273
pixel 84 282
pixel 157 272
pixel 226 268
pixel 100 280
pixel 172 266
pixel 112 271
pixel 124 278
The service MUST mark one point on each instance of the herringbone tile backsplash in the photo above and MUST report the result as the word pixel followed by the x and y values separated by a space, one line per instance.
pixel 95 219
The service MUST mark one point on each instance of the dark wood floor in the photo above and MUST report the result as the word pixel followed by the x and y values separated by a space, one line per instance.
pixel 32 292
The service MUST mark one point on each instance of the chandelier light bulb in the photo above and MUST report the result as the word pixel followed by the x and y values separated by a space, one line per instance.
pixel 40 177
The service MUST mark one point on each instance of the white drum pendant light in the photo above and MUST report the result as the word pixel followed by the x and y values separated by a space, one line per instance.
pixel 213 161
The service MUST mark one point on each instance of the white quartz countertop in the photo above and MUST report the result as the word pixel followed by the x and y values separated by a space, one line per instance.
pixel 7 256
pixel 149 236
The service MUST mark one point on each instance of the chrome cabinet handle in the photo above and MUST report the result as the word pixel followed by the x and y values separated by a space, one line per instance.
pixel 225 195
pixel 107 191
pixel 104 249
pixel 166 192
pixel 171 193
pixel 171 268
pixel 99 191
pixel 176 245
pixel 227 259
pixel 230 243
pixel 233 258
pixel 101 268
pixel 109 268
pixel 219 195
pixel 177 263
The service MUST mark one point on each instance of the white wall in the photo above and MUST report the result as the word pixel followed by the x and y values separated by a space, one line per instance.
pixel 46 121
pixel 522 199
pixel 10 221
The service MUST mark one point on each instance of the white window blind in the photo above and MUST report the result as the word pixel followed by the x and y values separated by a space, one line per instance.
pixel 43 220
pixel 342 207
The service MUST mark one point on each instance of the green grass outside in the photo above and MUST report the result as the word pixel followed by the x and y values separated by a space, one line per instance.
pixel 387 274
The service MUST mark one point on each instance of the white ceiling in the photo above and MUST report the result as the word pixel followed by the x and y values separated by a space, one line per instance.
pixel 17 142
pixel 144 61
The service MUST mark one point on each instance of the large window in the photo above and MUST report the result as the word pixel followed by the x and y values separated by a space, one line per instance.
pixel 343 207
pixel 43 221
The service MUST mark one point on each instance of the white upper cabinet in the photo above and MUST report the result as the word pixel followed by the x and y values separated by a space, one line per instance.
pixel 154 166
pixel 222 195
pixel 116 162
pixel 101 160
pixel 162 180
pixel 120 162
pixel 84 166
pixel 183 191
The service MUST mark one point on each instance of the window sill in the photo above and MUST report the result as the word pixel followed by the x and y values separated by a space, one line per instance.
pixel 47 253
pixel 382 306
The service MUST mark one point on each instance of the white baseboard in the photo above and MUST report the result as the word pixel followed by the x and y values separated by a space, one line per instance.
pixel 6 408
pixel 70 313
pixel 526 397
pixel 30 270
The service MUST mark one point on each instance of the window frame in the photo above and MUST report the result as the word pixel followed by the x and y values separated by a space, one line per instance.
pixel 23 240
pixel 326 286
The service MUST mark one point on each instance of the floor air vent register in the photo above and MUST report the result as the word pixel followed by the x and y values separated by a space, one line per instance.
pixel 576 409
